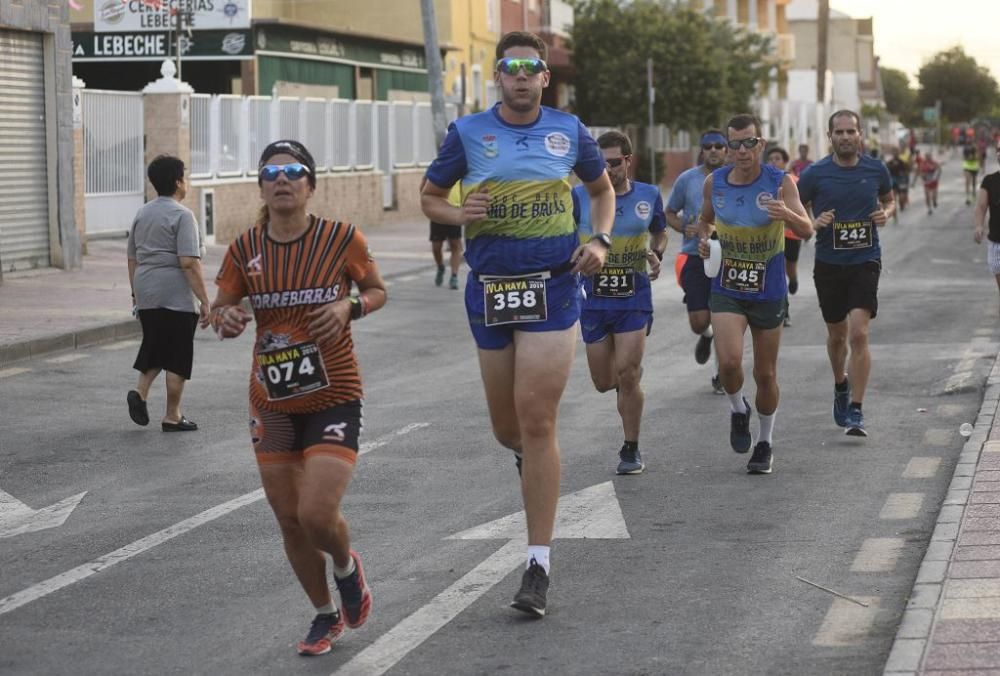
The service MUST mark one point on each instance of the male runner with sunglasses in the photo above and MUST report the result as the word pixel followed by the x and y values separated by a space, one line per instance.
pixel 523 293
pixel 749 204
pixel 851 195
pixel 618 310
pixel 686 197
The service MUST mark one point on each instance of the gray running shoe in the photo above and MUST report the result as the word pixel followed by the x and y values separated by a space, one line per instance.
pixel 530 598
pixel 855 423
pixel 760 461
pixel 739 429
pixel 630 462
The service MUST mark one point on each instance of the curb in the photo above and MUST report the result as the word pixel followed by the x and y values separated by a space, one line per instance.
pixel 36 347
pixel 913 638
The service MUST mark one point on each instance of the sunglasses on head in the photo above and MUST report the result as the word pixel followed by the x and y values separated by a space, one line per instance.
pixel 512 66
pixel 293 171
pixel 713 146
pixel 616 161
pixel 745 142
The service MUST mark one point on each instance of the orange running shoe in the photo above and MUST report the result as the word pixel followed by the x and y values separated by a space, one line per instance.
pixel 326 628
pixel 355 599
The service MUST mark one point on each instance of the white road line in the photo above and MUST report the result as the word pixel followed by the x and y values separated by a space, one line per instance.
pixel 67 358
pixel 13 371
pixel 847 623
pixel 408 278
pixel 950 410
pixel 965 369
pixel 938 437
pixel 120 345
pixel 921 468
pixel 901 506
pixel 878 555
pixel 54 584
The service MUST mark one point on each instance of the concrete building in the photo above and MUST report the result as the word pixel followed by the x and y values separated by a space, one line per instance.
pixel 768 17
pixel 334 48
pixel 37 116
pixel 852 69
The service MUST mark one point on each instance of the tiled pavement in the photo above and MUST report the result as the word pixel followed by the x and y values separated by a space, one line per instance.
pixel 951 625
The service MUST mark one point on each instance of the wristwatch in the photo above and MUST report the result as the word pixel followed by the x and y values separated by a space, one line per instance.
pixel 604 238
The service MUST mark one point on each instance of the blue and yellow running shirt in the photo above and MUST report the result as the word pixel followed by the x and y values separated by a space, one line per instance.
pixel 753 245
pixel 525 168
pixel 687 196
pixel 623 282
pixel 853 194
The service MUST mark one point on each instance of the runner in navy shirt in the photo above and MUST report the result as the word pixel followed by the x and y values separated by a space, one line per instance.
pixel 851 196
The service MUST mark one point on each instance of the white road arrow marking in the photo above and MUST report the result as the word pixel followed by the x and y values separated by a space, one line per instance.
pixel 16 517
pixel 592 513
pixel 54 584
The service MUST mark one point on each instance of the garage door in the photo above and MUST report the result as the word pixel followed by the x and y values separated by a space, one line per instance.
pixel 24 214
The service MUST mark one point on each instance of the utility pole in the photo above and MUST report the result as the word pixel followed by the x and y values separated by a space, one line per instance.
pixel 823 32
pixel 649 135
pixel 435 80
pixel 179 12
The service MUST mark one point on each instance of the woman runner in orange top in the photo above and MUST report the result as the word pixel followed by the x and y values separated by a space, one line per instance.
pixel 297 270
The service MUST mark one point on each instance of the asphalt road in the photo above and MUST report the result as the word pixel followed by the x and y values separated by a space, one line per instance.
pixel 705 582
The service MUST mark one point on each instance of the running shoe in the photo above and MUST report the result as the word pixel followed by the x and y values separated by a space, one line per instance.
pixel 793 286
pixel 630 461
pixel 453 282
pixel 703 350
pixel 326 628
pixel 439 277
pixel 717 384
pixel 355 598
pixel 856 423
pixel 530 598
pixel 841 402
pixel 760 461
pixel 739 429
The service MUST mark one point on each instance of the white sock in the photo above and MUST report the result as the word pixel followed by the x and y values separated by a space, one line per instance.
pixel 343 572
pixel 708 333
pixel 766 426
pixel 541 556
pixel 736 402
pixel 327 609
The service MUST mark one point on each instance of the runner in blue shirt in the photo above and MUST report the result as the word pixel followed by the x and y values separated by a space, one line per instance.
pixel 748 204
pixel 523 292
pixel 683 208
pixel 618 309
pixel 852 195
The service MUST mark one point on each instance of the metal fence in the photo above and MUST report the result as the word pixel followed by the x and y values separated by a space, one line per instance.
pixel 113 158
pixel 229 132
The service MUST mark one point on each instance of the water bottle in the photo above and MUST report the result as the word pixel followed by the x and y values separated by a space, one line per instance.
pixel 714 260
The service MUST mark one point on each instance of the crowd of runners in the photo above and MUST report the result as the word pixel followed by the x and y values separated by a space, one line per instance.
pixel 545 258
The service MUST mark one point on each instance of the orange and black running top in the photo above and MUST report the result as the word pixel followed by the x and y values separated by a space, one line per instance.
pixel 292 372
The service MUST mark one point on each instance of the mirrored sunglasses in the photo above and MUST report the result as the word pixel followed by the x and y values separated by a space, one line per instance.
pixel 512 66
pixel 293 171
pixel 713 146
pixel 745 142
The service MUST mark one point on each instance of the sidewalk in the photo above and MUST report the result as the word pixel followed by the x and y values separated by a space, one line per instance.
pixel 47 310
pixel 951 624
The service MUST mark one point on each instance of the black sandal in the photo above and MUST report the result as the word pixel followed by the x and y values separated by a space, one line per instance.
pixel 137 408
pixel 184 425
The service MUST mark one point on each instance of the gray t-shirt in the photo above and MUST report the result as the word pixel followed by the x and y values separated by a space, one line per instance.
pixel 162 231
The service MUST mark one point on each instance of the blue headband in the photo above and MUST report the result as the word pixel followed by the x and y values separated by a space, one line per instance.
pixel 713 137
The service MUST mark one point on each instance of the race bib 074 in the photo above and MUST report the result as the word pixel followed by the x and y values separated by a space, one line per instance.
pixel 292 371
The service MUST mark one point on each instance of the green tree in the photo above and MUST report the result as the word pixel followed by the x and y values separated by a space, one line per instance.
pixel 704 70
pixel 900 98
pixel 966 89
